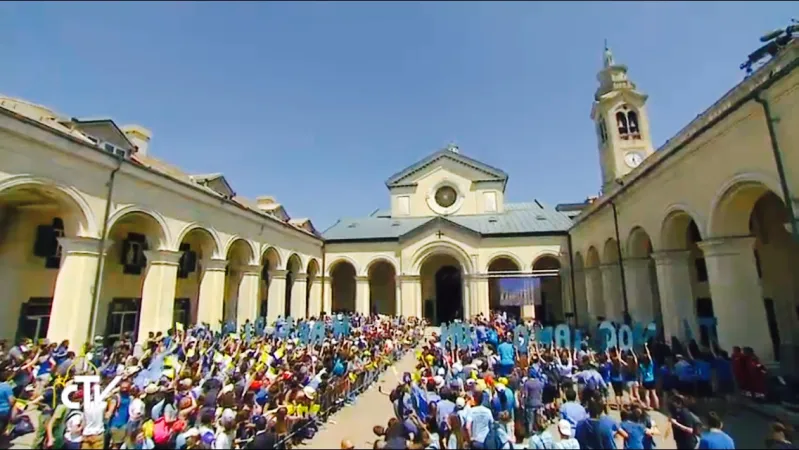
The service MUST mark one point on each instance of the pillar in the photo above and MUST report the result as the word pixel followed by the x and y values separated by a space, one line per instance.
pixel 74 290
pixel 639 289
pixel 247 308
pixel 298 296
pixel 676 293
pixel 158 294
pixel 411 293
pixel 315 299
pixel 594 293
pixel 612 292
pixel 582 317
pixel 327 288
pixel 737 294
pixel 277 294
pixel 231 295
pixel 397 296
pixel 210 308
pixel 362 295
pixel 466 291
pixel 566 294
pixel 481 301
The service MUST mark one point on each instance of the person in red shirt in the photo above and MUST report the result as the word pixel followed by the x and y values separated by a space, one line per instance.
pixel 740 370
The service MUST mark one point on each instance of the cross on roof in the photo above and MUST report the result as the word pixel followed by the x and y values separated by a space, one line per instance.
pixel 439 234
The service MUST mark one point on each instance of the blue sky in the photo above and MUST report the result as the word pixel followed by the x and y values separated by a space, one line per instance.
pixel 318 103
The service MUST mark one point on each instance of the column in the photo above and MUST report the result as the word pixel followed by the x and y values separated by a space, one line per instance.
pixel 277 295
pixel 467 297
pixel 210 308
pixel 566 294
pixel 582 316
pixel 157 311
pixel 676 292
pixel 247 308
pixel 639 289
pixel 362 295
pixel 594 293
pixel 397 296
pixel 74 290
pixel 737 294
pixel 298 296
pixel 411 293
pixel 481 300
pixel 612 292
pixel 315 297
pixel 327 288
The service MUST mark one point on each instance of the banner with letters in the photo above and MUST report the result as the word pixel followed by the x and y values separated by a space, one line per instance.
pixel 519 291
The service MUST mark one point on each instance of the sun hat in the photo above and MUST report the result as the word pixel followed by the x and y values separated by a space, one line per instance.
pixel 565 427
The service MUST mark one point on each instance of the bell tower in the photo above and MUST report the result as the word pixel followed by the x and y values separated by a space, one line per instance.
pixel 622 124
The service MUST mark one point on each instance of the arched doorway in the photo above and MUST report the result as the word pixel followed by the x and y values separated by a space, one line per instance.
pixel 197 245
pixel 641 277
pixel 550 309
pixel 442 288
pixel 581 301
pixel 382 288
pixel 613 290
pixel 239 254
pixel 343 287
pixel 270 261
pixel 312 301
pixel 594 289
pixel 499 267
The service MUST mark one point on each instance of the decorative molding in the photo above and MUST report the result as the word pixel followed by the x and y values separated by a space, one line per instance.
pixel 250 269
pixel 669 257
pixel 163 257
pixel 727 246
pixel 82 245
pixel 217 265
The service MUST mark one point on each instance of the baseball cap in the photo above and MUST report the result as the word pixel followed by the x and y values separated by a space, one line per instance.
pixel 565 427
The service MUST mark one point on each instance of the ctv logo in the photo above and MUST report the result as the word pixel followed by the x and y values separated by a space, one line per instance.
pixel 91 391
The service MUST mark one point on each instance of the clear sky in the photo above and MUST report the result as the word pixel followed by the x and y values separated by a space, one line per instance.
pixel 318 103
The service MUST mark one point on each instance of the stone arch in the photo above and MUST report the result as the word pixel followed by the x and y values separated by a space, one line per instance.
pixel 208 231
pixel 236 238
pixel 545 254
pixel 378 259
pixel 502 262
pixel 551 288
pixel 734 201
pixel 313 299
pixel 639 243
pixel 382 276
pixel 157 221
pixel 441 247
pixel 592 258
pixel 270 258
pixel 341 259
pixel 610 251
pixel 504 255
pixel 675 222
pixel 83 222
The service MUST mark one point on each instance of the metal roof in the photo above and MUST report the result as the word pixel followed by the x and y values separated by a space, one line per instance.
pixel 517 219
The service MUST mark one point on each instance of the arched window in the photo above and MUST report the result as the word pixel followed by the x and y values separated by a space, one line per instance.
pixel 632 120
pixel 621 123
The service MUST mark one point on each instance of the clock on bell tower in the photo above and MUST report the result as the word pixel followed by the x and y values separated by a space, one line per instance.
pixel 622 124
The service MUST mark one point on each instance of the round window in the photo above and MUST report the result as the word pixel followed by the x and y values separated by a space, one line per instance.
pixel 446 196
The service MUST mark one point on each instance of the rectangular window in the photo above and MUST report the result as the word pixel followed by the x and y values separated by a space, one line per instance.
pixel 490 201
pixel 119 152
pixel 109 148
pixel 404 205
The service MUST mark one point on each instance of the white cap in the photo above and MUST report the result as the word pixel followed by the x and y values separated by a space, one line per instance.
pixel 439 380
pixel 565 427
pixel 457 368
pixel 460 402
pixel 441 371
pixel 500 387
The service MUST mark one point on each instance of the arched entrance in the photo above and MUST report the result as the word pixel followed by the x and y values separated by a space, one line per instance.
pixel 293 267
pixel 500 266
pixel 270 261
pixel 343 287
pixel 442 288
pixel 197 245
pixel 312 302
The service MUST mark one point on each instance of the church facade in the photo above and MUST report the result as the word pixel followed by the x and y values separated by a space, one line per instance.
pixel 99 237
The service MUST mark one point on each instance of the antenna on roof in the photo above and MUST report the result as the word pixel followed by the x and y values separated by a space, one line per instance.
pixel 453 148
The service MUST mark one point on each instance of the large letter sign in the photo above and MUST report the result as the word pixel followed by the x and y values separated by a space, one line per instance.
pixel 90 396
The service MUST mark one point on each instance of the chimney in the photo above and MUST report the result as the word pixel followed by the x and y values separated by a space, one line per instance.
pixel 139 137
pixel 263 202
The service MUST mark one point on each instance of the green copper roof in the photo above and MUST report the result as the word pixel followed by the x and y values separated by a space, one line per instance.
pixel 518 218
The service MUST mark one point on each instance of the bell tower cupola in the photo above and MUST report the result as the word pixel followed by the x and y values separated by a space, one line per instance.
pixel 622 124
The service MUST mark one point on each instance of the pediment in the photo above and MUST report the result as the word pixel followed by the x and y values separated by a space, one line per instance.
pixel 440 224
pixel 451 161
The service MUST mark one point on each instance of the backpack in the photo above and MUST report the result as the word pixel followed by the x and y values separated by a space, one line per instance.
pixel 60 428
pixel 162 432
pixel 493 439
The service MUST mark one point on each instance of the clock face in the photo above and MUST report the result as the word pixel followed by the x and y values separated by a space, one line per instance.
pixel 633 159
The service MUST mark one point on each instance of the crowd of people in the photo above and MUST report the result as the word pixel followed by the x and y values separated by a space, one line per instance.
pixel 497 394
pixel 196 389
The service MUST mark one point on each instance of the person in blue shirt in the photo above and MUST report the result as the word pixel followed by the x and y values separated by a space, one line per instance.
pixel 571 410
pixel 646 369
pixel 632 423
pixel 684 372
pixel 703 375
pixel 492 339
pixel 714 438
pixel 507 358
pixel 725 380
pixel 599 430
pixel 7 399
